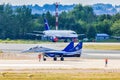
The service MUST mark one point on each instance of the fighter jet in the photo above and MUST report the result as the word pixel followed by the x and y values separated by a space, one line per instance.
pixel 74 52
pixel 39 49
pixel 68 51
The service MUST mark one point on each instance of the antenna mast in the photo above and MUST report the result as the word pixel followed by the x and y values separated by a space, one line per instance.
pixel 56 13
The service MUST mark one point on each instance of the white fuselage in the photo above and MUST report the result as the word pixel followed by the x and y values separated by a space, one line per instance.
pixel 60 33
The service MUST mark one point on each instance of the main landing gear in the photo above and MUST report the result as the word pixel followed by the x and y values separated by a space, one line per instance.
pixel 62 58
pixel 44 58
pixel 54 59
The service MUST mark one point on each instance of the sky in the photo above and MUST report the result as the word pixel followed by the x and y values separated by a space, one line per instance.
pixel 64 2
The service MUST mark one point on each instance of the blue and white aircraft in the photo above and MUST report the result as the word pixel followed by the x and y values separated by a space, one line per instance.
pixel 38 49
pixel 67 52
pixel 55 35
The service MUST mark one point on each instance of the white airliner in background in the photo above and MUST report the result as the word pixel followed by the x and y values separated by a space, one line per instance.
pixel 55 35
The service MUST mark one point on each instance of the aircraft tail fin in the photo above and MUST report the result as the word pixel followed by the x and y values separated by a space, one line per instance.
pixel 77 47
pixel 69 46
pixel 46 24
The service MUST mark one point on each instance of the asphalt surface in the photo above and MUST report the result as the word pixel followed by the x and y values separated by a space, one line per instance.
pixel 90 59
pixel 68 64
pixel 86 53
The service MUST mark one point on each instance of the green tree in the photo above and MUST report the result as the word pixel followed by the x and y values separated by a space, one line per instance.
pixel 104 26
pixel 63 20
pixel 24 21
pixel 116 17
pixel 1 20
pixel 104 17
pixel 89 15
pixel 51 20
pixel 91 32
pixel 82 17
pixel 6 21
pixel 116 28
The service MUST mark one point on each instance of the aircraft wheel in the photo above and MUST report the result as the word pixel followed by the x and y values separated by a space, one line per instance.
pixel 80 55
pixel 55 58
pixel 62 59
pixel 44 59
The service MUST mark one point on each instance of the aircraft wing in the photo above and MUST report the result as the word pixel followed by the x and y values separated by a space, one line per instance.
pixel 37 49
pixel 35 33
pixel 40 32
pixel 49 50
pixel 58 36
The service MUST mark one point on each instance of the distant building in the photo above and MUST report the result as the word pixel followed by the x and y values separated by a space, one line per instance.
pixel 102 36
pixel 116 37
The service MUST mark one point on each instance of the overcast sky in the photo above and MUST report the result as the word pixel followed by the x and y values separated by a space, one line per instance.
pixel 42 2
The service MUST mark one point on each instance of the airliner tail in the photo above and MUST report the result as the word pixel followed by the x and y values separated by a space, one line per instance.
pixel 46 24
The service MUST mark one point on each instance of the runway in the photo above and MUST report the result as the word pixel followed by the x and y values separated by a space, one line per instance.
pixel 90 59
pixel 86 53
pixel 101 54
pixel 78 64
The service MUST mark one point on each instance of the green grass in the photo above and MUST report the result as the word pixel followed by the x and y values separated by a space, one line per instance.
pixel 88 46
pixel 109 40
pixel 60 76
pixel 1 51
pixel 22 41
pixel 101 47
pixel 39 41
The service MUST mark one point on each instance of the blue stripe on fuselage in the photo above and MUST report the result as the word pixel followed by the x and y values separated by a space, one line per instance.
pixel 59 55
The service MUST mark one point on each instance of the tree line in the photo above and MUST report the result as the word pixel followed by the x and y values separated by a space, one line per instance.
pixel 15 23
